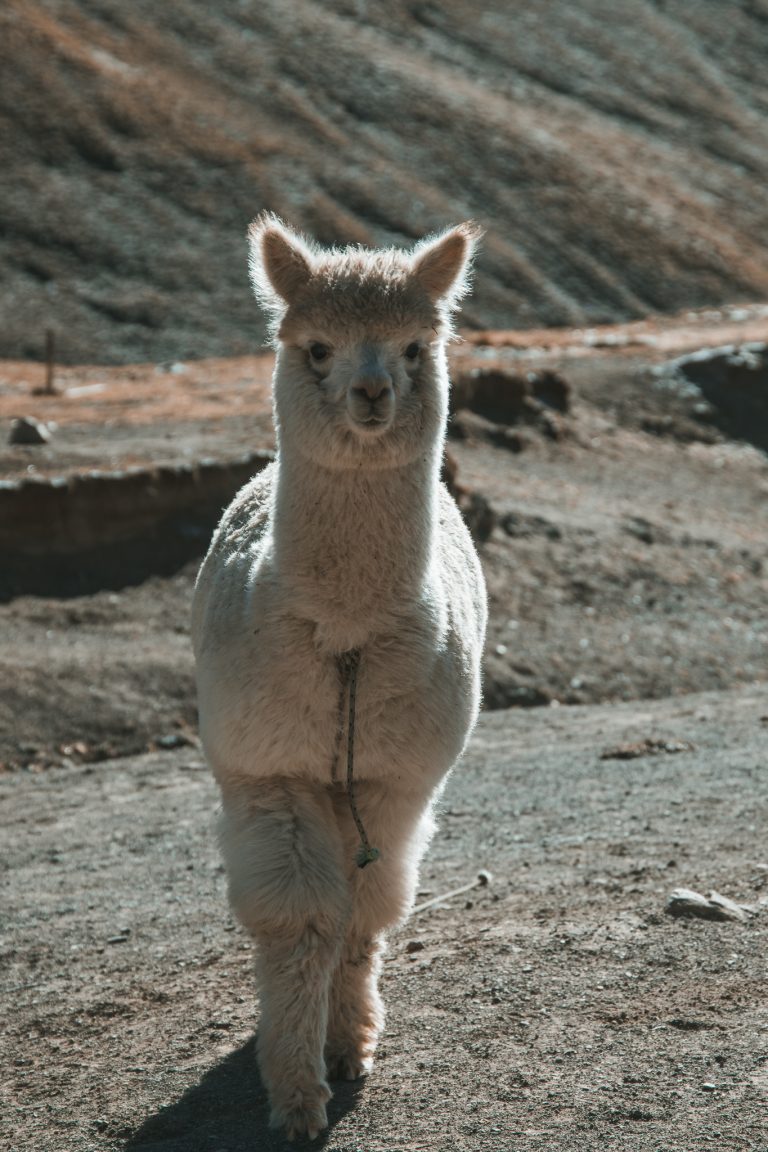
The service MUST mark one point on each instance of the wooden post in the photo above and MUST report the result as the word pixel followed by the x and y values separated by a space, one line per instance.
pixel 50 350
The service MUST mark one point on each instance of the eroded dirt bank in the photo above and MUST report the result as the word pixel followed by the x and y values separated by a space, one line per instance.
pixel 626 557
pixel 557 1009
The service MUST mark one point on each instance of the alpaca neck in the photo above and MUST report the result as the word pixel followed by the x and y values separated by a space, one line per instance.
pixel 353 547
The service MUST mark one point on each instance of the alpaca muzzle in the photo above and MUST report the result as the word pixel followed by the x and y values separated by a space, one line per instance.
pixel 371 400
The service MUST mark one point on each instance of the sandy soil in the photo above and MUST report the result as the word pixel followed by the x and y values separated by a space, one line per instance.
pixel 557 1009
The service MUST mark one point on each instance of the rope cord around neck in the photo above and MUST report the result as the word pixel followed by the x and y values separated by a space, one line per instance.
pixel 348 664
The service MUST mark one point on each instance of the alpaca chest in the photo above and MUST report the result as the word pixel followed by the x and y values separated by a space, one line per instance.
pixel 270 706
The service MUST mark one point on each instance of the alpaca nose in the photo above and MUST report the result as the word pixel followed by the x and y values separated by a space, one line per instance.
pixel 373 385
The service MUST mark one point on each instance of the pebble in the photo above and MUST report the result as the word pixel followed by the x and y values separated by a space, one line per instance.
pixel 27 430
pixel 121 937
pixel 173 740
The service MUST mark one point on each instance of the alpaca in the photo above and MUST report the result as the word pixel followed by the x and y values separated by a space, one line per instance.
pixel 342 570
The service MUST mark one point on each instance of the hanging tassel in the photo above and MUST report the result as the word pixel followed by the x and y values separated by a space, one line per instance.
pixel 348 665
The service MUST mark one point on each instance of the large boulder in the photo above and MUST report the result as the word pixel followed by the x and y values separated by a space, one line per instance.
pixel 725 386
pixel 26 430
pixel 505 397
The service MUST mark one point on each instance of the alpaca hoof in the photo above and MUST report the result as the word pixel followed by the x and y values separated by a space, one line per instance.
pixel 305 1118
pixel 348 1066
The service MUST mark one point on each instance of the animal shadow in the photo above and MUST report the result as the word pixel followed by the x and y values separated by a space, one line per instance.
pixel 228 1111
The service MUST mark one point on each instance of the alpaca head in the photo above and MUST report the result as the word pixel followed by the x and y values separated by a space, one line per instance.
pixel 361 380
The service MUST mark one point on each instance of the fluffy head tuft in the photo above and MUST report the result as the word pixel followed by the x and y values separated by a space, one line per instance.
pixel 297 283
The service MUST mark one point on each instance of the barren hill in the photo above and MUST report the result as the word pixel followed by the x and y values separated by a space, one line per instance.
pixel 618 162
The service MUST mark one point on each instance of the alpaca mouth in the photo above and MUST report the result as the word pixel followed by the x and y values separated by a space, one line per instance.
pixel 370 425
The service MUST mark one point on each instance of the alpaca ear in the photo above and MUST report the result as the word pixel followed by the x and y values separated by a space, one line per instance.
pixel 442 266
pixel 280 262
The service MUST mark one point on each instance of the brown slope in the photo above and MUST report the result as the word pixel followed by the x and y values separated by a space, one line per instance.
pixel 618 165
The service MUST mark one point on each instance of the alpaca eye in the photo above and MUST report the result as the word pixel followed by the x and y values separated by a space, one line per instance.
pixel 412 351
pixel 319 351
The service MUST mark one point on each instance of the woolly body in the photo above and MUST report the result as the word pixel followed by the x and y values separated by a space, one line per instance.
pixel 348 541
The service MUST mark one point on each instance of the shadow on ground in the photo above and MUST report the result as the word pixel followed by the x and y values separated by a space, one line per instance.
pixel 228 1110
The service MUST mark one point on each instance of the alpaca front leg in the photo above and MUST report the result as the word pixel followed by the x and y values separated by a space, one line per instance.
pixel 287 885
pixel 294 977
pixel 356 1015
pixel 400 825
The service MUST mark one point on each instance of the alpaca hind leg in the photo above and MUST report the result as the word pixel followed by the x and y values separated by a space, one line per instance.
pixel 400 825
pixel 288 887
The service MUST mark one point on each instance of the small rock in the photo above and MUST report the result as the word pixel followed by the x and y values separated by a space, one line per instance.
pixel 648 747
pixel 478 515
pixel 414 946
pixel 507 438
pixel 499 692
pixel 173 740
pixel 27 430
pixel 550 424
pixel 468 425
pixel 686 902
pixel 551 389
pixel 473 427
pixel 493 392
pixel 518 524
pixel 641 529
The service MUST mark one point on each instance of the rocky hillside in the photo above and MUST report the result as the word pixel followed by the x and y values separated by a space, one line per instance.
pixel 617 163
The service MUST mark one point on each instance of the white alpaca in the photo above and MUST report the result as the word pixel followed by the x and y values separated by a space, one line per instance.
pixel 348 543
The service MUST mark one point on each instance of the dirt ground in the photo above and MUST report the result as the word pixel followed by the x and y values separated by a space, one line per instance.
pixel 558 1008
